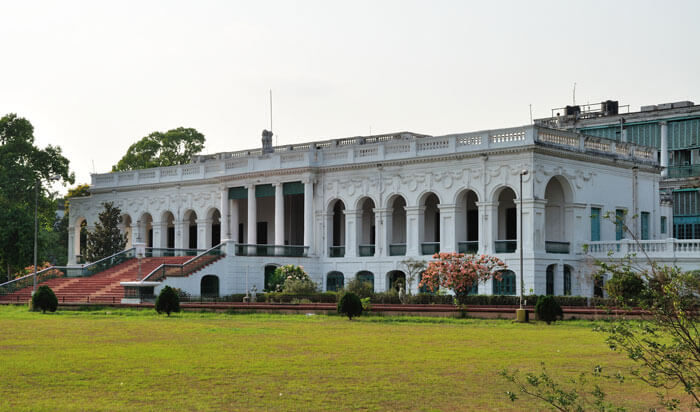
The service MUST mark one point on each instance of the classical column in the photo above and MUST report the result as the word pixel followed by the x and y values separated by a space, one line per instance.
pixel 203 233
pixel 664 148
pixel 225 226
pixel 448 238
pixel 414 222
pixel 235 220
pixel 180 227
pixel 534 225
pixel 308 214
pixel 252 217
pixel 488 226
pixel 71 245
pixel 279 215
pixel 382 222
pixel 157 234
pixel 351 231
pixel 138 230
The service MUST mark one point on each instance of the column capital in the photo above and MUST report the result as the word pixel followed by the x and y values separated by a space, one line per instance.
pixel 446 207
pixel 487 204
pixel 414 209
pixel 383 211
pixel 353 213
pixel 663 123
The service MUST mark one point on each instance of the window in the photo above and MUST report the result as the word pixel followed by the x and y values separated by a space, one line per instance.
pixel 365 276
pixel 335 281
pixel 619 224
pixel 645 225
pixel 550 279
pixel 505 286
pixel 595 224
pixel 663 224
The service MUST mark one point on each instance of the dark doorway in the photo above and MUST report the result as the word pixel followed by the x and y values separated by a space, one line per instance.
pixel 511 223
pixel 472 225
pixel 171 238
pixel 215 234
pixel 262 233
pixel 210 286
pixel 193 237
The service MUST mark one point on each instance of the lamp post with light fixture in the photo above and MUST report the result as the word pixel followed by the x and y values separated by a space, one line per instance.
pixel 521 315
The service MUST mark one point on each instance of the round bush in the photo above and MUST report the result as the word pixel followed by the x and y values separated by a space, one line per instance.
pixel 350 305
pixel 167 301
pixel 626 288
pixel 547 309
pixel 44 299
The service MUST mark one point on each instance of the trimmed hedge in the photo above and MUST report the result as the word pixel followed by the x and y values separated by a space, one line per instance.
pixel 281 297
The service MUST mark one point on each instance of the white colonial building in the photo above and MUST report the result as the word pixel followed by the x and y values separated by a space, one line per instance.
pixel 360 206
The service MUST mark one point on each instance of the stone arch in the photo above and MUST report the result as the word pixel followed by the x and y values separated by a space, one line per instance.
pixel 549 279
pixel 127 229
pixel 498 190
pixel 558 215
pixel 213 227
pixel 366 229
pixel 167 231
pixel 269 272
pixel 209 286
pixel 506 285
pixel 429 223
pixel 336 228
pixel 507 221
pixel 395 224
pixel 189 229
pixel 335 281
pixel 567 279
pixel 467 221
pixel 79 238
pixel 395 279
pixel 145 233
pixel 365 276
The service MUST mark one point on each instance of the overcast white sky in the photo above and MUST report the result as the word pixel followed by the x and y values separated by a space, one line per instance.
pixel 95 76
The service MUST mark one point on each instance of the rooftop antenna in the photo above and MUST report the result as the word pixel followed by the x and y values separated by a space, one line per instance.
pixel 574 93
pixel 276 137
pixel 93 166
pixel 530 113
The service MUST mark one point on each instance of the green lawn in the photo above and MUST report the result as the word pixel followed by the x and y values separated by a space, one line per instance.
pixel 136 360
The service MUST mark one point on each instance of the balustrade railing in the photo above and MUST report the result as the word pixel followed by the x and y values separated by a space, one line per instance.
pixel 429 248
pixel 556 247
pixel 469 247
pixel 656 248
pixel 243 249
pixel 184 269
pixel 366 250
pixel 165 252
pixel 28 280
pixel 505 246
pixel 336 251
pixel 397 249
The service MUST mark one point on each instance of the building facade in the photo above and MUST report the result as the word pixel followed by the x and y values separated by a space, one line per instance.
pixel 358 207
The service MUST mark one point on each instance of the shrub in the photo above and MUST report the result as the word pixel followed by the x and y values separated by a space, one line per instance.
pixel 361 288
pixel 44 299
pixel 547 309
pixel 300 286
pixel 167 301
pixel 626 288
pixel 350 305
pixel 318 297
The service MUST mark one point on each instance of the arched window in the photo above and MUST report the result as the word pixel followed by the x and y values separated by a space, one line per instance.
pixel 366 276
pixel 396 280
pixel 567 280
pixel 335 281
pixel 550 279
pixel 210 286
pixel 269 271
pixel 598 285
pixel 505 286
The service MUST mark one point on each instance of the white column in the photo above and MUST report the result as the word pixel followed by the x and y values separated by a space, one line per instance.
pixel 225 226
pixel 488 225
pixel 157 234
pixel 308 214
pixel 235 220
pixel 279 214
pixel 664 149
pixel 448 239
pixel 71 245
pixel 203 233
pixel 252 217
pixel 382 218
pixel 351 231
pixel 413 230
pixel 180 227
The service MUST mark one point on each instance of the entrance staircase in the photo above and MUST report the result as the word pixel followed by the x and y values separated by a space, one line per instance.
pixel 102 287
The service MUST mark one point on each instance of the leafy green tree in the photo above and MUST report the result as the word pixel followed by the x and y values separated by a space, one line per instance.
pixel 24 166
pixel 44 299
pixel 168 301
pixel 106 239
pixel 174 147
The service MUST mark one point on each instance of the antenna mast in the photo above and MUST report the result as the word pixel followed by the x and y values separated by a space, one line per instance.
pixel 574 93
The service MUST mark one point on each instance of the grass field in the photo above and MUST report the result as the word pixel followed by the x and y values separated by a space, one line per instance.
pixel 136 360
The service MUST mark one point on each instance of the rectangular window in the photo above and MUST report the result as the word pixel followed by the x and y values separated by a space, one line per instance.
pixel 645 225
pixel 619 224
pixel 595 224
pixel 663 224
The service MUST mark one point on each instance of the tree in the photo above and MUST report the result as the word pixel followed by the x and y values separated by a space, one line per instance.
pixel 174 147
pixel 44 299
pixel 167 301
pixel 23 167
pixel 547 309
pixel 460 272
pixel 106 239
pixel 413 268
pixel 350 305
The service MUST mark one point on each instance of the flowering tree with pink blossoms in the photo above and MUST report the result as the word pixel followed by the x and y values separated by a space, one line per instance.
pixel 460 272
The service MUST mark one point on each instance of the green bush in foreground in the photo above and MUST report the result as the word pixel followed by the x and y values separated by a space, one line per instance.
pixel 350 305
pixel 44 299
pixel 548 309
pixel 167 301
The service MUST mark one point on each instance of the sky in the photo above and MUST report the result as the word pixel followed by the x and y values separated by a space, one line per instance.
pixel 93 77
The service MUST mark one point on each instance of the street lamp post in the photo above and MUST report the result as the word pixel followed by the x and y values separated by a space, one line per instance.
pixel 36 222
pixel 521 316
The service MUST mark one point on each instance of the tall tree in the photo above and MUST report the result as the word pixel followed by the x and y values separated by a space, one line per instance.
pixel 106 239
pixel 174 147
pixel 24 166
